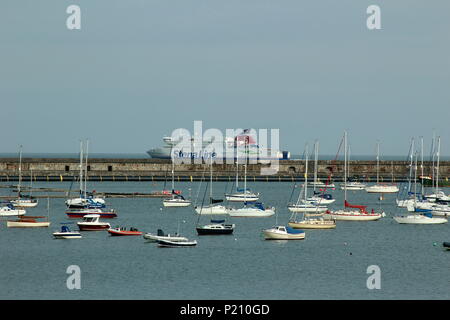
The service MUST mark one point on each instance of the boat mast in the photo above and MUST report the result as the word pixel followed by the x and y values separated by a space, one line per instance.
pixel 345 167
pixel 378 161
pixel 437 164
pixel 316 154
pixel 20 172
pixel 415 180
pixel 86 170
pixel 245 173
pixel 81 168
pixel 421 166
pixel 173 177
pixel 210 180
pixel 411 168
pixel 306 171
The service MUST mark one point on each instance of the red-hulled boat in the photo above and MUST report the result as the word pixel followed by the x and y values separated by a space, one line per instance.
pixel 123 232
pixel 80 213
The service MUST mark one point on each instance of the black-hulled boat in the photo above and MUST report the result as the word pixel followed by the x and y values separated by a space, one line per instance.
pixel 446 245
pixel 216 227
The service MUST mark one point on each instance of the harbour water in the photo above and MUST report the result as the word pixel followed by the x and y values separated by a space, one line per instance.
pixel 328 264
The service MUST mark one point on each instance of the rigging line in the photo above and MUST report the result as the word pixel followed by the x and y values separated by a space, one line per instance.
pixel 331 167
pixel 203 201
pixel 199 186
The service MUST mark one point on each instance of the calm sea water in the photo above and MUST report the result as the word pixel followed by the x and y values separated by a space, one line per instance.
pixel 328 264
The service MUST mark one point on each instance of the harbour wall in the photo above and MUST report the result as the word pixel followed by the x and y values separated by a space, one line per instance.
pixel 49 169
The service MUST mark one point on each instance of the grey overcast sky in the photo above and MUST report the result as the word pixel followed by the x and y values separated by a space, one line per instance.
pixel 139 69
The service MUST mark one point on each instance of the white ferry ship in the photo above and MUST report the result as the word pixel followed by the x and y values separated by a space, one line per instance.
pixel 241 146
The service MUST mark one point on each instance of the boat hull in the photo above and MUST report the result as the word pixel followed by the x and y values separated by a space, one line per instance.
pixel 306 208
pixel 382 189
pixel 354 216
pixel 24 204
pixel 23 224
pixel 12 213
pixel 312 224
pixel 201 231
pixel 218 209
pixel 92 227
pixel 155 238
pixel 67 235
pixel 419 219
pixel 270 234
pixel 169 203
pixel 119 233
pixel 81 214
pixel 241 198
pixel 250 213
pixel 167 243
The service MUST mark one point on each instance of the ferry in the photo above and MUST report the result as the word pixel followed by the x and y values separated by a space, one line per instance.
pixel 244 142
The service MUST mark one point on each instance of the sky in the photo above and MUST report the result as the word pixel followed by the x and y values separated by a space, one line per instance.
pixel 139 69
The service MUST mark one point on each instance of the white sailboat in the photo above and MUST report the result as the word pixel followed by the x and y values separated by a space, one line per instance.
pixel 302 205
pixel 352 215
pixel 20 202
pixel 214 206
pixel 176 200
pixel 84 201
pixel 251 210
pixel 241 195
pixel 318 197
pixel 379 187
pixel 352 185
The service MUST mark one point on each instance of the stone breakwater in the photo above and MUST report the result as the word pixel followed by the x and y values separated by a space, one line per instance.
pixel 49 169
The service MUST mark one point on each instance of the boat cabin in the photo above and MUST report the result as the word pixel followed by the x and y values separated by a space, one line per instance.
pixel 91 218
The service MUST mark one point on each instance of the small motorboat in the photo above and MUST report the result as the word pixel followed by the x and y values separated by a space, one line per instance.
pixel 216 227
pixel 160 235
pixel 169 243
pixel 283 233
pixel 446 245
pixel 8 210
pixel 120 231
pixel 91 222
pixel 66 233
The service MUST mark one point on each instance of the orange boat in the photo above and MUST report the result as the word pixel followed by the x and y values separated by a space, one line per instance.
pixel 123 232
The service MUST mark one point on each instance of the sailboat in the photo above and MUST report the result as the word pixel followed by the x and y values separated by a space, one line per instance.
pixel 378 187
pixel 302 205
pixel 282 232
pixel 242 194
pixel 176 200
pixel 420 216
pixel 22 202
pixel 319 197
pixel 352 215
pixel 214 206
pixel 84 201
pixel 352 185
